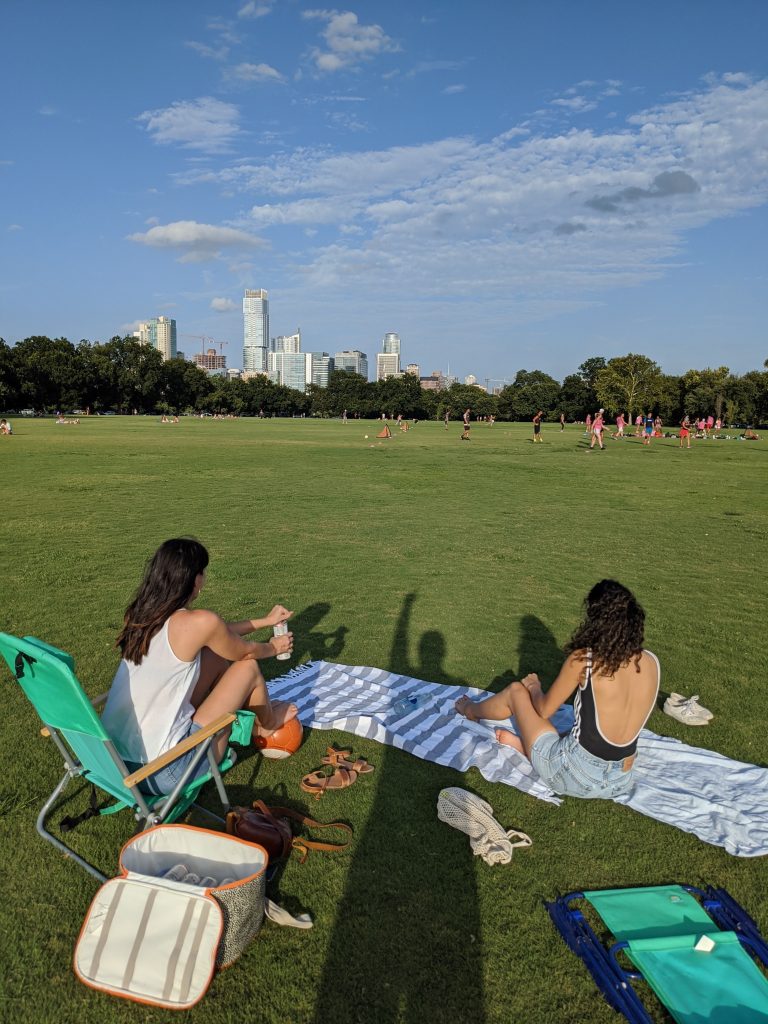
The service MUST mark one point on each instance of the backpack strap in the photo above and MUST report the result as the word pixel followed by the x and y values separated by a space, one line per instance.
pixel 305 845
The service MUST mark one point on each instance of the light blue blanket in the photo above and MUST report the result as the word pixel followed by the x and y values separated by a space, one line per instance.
pixel 721 801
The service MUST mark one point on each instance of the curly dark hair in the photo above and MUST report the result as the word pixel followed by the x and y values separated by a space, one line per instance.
pixel 169 582
pixel 613 628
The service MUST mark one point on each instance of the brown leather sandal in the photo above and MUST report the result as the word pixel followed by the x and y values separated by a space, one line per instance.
pixel 339 759
pixel 318 782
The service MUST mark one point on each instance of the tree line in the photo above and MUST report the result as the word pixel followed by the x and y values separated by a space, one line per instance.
pixel 53 374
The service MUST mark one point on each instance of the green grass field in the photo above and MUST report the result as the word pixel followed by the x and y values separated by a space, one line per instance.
pixel 455 562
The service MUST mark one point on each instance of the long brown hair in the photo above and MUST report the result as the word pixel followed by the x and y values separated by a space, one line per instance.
pixel 169 582
pixel 613 627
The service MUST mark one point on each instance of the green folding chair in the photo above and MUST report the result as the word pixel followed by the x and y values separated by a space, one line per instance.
pixel 47 677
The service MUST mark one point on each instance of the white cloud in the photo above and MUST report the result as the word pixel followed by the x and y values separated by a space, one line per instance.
pixel 348 42
pixel 255 73
pixel 48 111
pixel 206 123
pixel 196 242
pixel 14 227
pixel 211 52
pixel 224 305
pixel 552 219
pixel 451 90
pixel 254 9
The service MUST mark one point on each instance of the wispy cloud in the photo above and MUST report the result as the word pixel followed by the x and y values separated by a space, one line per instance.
pixel 48 111
pixel 211 52
pixel 348 43
pixel 255 9
pixel 552 218
pixel 451 90
pixel 206 123
pixel 222 305
pixel 196 242
pixel 254 73
pixel 14 227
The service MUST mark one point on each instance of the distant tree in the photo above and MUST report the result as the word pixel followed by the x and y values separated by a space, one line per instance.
pixel 590 368
pixel 704 391
pixel 350 391
pixel 9 390
pixel 47 373
pixel 459 397
pixel 530 391
pixel 399 396
pixel 576 397
pixel 668 398
pixel 627 383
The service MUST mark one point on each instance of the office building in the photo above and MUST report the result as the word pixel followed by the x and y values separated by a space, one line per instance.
pixel 470 379
pixel 353 361
pixel 160 333
pixel 287 342
pixel 435 381
pixel 321 368
pixel 210 360
pixel 292 369
pixel 255 330
pixel 413 370
pixel 391 344
pixel 387 365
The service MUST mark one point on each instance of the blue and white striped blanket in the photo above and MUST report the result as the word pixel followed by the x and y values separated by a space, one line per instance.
pixel 721 801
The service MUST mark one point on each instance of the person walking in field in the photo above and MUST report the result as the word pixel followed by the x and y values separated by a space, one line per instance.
pixel 466 418
pixel 537 426
pixel 639 425
pixel 446 418
pixel 620 422
pixel 588 423
pixel 648 429
pixel 685 431
pixel 597 430
pixel 562 422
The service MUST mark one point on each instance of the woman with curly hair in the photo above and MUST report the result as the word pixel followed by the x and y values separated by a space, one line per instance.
pixel 182 668
pixel 616 683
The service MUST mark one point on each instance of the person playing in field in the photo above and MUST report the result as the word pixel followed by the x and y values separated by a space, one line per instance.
pixel 562 422
pixel 597 430
pixel 639 425
pixel 685 431
pixel 446 418
pixel 615 682
pixel 467 424
pixel 588 424
pixel 648 429
pixel 537 426
pixel 620 422
pixel 183 668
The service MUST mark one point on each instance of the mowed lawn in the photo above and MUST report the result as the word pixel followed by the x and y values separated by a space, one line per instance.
pixel 461 562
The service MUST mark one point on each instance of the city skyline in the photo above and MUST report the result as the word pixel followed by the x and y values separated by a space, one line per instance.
pixel 525 187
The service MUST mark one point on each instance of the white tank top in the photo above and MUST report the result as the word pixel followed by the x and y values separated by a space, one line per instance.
pixel 148 709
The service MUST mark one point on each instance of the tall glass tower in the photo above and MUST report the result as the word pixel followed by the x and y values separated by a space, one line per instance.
pixel 391 345
pixel 255 330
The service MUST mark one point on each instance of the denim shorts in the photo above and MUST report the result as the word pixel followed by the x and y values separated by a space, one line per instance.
pixel 165 780
pixel 570 770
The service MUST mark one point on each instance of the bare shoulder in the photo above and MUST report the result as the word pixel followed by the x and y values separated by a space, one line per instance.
pixel 195 625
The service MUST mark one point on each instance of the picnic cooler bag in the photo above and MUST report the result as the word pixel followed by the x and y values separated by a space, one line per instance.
pixel 157 940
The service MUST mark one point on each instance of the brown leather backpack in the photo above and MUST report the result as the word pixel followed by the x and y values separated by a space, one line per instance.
pixel 270 827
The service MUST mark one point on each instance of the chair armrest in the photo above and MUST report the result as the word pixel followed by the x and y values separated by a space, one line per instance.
pixel 181 748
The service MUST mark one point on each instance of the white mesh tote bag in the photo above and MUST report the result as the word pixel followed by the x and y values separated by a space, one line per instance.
pixel 468 813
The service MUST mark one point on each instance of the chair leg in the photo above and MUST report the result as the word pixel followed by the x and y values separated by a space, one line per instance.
pixel 45 834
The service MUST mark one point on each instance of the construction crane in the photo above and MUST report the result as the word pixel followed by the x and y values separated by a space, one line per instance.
pixel 202 338
pixel 496 380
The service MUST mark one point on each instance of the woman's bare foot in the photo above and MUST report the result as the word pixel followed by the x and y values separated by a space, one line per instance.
pixel 280 713
pixel 463 705
pixel 508 739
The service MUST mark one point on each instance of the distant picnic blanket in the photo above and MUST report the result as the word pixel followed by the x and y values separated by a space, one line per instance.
pixel 723 802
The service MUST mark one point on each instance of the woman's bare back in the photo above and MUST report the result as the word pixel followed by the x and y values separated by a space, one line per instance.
pixel 624 700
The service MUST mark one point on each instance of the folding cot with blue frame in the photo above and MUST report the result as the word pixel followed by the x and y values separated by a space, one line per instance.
pixel 700 952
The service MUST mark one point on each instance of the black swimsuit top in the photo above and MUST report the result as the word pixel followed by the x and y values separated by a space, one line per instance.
pixel 587 725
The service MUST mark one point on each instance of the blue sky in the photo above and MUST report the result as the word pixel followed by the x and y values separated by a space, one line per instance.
pixel 505 184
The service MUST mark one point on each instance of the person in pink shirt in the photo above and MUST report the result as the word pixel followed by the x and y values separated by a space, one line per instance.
pixel 597 430
pixel 588 423
pixel 620 422
pixel 639 425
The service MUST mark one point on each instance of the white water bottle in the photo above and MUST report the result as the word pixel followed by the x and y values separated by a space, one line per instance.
pixel 280 630
pixel 411 703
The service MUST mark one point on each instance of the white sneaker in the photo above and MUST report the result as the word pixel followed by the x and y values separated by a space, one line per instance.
pixel 687 710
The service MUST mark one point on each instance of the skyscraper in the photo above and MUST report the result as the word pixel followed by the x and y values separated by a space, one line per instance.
pixel 160 333
pixel 352 360
pixel 287 342
pixel 255 330
pixel 322 368
pixel 391 344
pixel 388 360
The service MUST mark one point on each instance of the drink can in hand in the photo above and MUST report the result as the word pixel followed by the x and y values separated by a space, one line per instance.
pixel 280 630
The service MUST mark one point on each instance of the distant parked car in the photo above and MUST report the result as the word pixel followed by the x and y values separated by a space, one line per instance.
pixel 27 412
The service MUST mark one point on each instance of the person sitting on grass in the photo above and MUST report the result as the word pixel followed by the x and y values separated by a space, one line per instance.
pixel 750 435
pixel 6 428
pixel 182 668
pixel 616 683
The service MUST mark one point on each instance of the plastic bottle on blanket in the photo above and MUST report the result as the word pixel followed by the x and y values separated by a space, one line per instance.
pixel 411 702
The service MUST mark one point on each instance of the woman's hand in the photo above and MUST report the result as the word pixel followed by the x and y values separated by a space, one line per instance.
pixel 531 680
pixel 282 644
pixel 278 614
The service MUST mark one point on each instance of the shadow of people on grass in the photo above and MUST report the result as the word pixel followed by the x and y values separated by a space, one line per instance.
pixel 537 651
pixel 406 942
pixel 320 645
